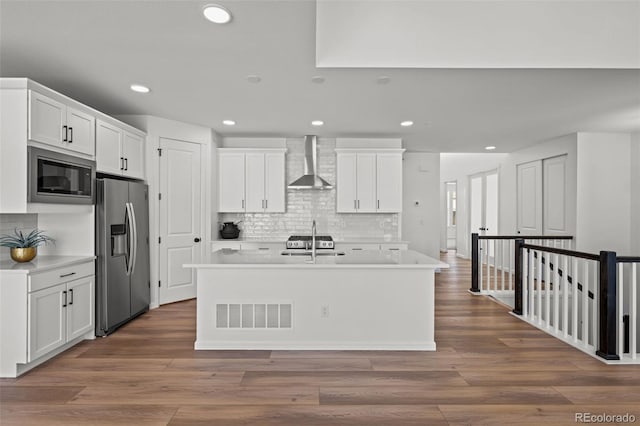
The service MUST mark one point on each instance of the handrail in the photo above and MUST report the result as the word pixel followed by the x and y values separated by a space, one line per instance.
pixel 628 259
pixel 525 237
pixel 565 252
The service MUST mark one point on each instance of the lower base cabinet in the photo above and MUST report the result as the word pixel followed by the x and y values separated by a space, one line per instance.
pixel 43 313
pixel 59 314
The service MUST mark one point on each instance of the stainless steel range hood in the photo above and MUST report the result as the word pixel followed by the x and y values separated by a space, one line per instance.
pixel 310 180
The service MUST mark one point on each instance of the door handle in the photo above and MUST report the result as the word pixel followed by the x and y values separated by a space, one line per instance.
pixel 196 240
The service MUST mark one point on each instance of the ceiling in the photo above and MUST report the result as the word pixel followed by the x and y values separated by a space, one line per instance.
pixel 93 50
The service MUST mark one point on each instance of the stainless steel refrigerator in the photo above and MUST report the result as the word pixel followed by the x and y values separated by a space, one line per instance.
pixel 122 247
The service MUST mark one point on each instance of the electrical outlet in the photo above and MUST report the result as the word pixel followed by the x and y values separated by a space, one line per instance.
pixel 324 311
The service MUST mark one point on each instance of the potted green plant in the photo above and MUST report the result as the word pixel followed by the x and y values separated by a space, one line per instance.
pixel 24 247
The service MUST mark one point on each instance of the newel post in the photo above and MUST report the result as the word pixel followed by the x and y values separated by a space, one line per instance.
pixel 517 276
pixel 607 308
pixel 475 263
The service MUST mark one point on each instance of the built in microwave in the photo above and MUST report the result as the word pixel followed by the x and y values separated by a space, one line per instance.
pixel 60 178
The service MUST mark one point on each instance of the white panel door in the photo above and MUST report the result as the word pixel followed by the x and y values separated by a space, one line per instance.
pixel 366 183
pixel 554 195
pixel 81 133
pixel 231 182
pixel 346 195
pixel 529 198
pixel 109 157
pixel 274 183
pixel 46 119
pixel 389 183
pixel 476 211
pixel 180 218
pixel 133 153
pixel 47 320
pixel 254 182
pixel 80 307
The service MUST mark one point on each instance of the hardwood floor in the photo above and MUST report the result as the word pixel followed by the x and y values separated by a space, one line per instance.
pixel 490 368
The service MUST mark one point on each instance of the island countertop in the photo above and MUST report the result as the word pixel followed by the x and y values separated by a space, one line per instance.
pixel 226 258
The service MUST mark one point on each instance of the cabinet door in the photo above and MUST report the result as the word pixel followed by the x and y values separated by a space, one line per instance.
pixel 109 158
pixel 389 183
pixel 366 183
pixel 231 182
pixel 46 119
pixel 254 182
pixel 47 320
pixel 274 184
pixel 346 197
pixel 80 305
pixel 133 153
pixel 81 133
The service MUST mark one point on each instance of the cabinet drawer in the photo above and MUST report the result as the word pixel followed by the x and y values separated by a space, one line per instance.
pixel 263 246
pixel 39 281
pixel 351 246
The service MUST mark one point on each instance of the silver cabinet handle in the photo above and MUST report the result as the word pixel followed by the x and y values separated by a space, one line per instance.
pixel 67 275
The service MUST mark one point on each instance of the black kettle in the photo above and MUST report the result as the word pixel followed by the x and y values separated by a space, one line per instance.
pixel 229 230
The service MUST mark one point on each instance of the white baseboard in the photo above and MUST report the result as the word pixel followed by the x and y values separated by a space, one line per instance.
pixel 314 346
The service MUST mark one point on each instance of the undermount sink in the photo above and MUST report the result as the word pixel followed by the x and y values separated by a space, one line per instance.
pixel 308 253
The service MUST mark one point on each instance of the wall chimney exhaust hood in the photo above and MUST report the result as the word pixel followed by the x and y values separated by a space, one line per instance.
pixel 310 180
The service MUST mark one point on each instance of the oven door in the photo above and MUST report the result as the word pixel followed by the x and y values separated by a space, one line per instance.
pixel 60 178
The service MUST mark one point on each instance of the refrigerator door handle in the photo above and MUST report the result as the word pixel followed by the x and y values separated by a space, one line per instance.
pixel 135 237
pixel 131 235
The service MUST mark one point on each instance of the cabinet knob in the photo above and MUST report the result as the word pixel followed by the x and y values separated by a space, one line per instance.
pixel 196 240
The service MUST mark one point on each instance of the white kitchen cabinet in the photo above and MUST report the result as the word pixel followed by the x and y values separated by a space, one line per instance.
pixel 44 310
pixel 119 151
pixel 47 321
pixel 55 123
pixel 231 182
pixel 251 181
pixel 369 181
pixel 60 313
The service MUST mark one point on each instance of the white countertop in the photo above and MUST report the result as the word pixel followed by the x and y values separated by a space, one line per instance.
pixel 283 240
pixel 366 258
pixel 42 263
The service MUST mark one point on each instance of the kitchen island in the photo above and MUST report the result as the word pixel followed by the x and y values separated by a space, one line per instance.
pixel 366 300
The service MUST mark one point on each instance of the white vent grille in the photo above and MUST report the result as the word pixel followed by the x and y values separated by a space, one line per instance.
pixel 254 315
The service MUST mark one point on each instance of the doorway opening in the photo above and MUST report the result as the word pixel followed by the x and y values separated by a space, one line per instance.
pixel 451 189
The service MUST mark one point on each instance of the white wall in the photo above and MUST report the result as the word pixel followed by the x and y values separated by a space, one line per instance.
pixel 457 167
pixel 635 194
pixel 508 182
pixel 156 129
pixel 421 185
pixel 603 192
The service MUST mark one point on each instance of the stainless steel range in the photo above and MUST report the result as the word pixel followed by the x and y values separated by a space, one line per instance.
pixel 304 242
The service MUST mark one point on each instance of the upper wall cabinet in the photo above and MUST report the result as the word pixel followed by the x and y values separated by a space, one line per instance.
pixel 369 181
pixel 54 123
pixel 119 151
pixel 251 180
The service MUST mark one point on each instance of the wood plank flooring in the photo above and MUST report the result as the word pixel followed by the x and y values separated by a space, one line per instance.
pixel 490 368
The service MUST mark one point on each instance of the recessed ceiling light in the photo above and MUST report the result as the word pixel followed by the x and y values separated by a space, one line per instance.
pixel 140 88
pixel 228 122
pixel 407 123
pixel 253 78
pixel 216 14
pixel 383 79
pixel 318 79
pixel 489 148
pixel 317 123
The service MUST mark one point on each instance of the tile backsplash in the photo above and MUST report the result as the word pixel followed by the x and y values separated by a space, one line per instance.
pixel 9 222
pixel 305 205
